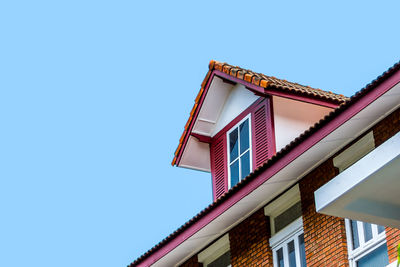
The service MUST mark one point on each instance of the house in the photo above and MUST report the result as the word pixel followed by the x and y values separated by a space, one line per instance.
pixel 301 176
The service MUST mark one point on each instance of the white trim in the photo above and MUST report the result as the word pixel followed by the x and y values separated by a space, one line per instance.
pixel 210 254
pixel 357 173
pixel 206 120
pixel 250 149
pixel 282 239
pixel 201 133
pixel 355 152
pixel 292 229
pixel 365 247
pixel 287 200
pixel 194 168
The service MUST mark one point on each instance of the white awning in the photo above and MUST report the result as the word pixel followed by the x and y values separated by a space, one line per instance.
pixel 369 190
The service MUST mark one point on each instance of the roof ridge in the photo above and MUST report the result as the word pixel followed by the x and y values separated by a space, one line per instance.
pixel 221 66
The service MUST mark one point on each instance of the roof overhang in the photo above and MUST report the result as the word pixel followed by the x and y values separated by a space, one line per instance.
pixel 368 190
pixel 281 172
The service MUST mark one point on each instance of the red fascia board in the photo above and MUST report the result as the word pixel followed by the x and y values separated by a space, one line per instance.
pixel 263 91
pixel 202 138
pixel 282 162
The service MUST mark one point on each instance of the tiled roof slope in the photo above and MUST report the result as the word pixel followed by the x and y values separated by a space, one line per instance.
pixel 258 79
pixel 354 99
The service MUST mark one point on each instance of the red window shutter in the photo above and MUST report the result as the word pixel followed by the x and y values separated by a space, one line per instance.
pixel 263 147
pixel 219 166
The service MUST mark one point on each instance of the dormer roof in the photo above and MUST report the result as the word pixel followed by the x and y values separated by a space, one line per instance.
pixel 261 85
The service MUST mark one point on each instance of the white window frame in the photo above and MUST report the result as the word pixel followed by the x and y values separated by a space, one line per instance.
pixel 355 152
pixel 290 232
pixel 364 248
pixel 240 154
pixel 287 200
pixel 283 238
pixel 213 252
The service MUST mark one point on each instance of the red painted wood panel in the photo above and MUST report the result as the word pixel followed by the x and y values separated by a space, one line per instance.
pixel 219 166
pixel 260 144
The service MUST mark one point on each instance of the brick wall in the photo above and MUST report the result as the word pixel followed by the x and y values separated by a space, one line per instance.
pixel 324 236
pixel 249 242
pixel 192 262
pixel 392 240
pixel 386 128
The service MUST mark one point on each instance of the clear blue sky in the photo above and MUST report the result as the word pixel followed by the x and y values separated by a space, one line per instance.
pixel 94 96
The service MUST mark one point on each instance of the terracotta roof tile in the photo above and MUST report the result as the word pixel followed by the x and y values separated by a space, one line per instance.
pixel 257 79
pixel 271 161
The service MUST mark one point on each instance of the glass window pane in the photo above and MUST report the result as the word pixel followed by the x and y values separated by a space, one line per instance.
pixel 288 216
pixel 378 257
pixel 302 251
pixel 245 164
pixel 234 173
pixel 244 136
pixel 222 261
pixel 292 255
pixel 367 231
pixel 279 256
pixel 380 229
pixel 233 144
pixel 354 234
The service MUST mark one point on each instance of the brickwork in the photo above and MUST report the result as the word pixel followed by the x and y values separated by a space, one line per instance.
pixel 392 240
pixel 386 128
pixel 249 242
pixel 192 262
pixel 324 236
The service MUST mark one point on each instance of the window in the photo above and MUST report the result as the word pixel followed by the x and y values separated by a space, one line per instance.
pixel 244 144
pixel 288 246
pixel 366 244
pixel 287 241
pixel 217 255
pixel 239 151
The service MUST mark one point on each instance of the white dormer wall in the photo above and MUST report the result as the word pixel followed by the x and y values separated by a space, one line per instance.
pixel 292 118
pixel 225 101
pixel 239 99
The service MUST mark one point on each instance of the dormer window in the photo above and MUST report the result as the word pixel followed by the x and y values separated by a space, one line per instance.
pixel 239 156
pixel 241 146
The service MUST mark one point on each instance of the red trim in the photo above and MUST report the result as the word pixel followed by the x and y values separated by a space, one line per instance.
pixel 202 138
pixel 271 129
pixel 273 169
pixel 269 126
pixel 258 90
pixel 253 140
pixel 214 177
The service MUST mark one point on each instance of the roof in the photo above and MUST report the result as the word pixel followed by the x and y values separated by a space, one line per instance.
pixel 257 79
pixel 307 134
